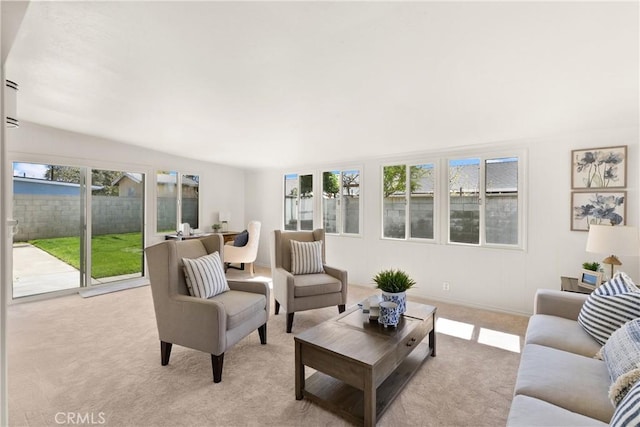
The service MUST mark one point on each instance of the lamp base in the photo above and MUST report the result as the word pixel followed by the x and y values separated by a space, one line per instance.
pixel 613 260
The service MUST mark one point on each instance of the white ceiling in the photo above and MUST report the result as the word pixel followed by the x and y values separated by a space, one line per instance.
pixel 276 84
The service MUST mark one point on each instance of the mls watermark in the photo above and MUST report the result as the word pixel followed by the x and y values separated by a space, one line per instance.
pixel 80 418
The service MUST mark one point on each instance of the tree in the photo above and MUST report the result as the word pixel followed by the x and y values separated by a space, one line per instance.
pixel 306 185
pixel 63 174
pixel 330 184
pixel 100 178
pixel 350 181
pixel 105 179
pixel 395 179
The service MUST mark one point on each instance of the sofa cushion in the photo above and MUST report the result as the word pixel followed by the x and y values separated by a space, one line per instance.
pixel 576 383
pixel 240 306
pixel 205 276
pixel 621 353
pixel 528 411
pixel 560 333
pixel 308 285
pixel 610 306
pixel 627 413
pixel 306 257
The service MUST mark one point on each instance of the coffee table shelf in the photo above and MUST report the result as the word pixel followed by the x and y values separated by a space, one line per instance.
pixel 361 365
pixel 347 401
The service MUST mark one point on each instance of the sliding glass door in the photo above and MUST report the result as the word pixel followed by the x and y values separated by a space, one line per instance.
pixel 77 227
pixel 48 204
pixel 117 214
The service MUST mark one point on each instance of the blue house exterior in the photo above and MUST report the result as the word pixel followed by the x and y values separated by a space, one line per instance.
pixel 46 187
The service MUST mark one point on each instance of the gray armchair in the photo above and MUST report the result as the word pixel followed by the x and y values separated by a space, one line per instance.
pixel 211 325
pixel 305 291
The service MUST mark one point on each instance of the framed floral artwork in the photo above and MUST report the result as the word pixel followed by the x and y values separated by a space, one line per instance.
pixel 599 168
pixel 601 207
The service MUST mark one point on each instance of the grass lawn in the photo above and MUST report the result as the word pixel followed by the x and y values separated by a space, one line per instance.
pixel 112 254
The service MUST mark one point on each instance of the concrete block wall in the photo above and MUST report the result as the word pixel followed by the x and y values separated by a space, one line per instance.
pixel 48 216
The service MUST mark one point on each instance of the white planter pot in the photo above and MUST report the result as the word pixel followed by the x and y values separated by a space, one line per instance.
pixel 399 298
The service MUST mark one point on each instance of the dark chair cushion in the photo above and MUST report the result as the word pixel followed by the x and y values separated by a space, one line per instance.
pixel 241 239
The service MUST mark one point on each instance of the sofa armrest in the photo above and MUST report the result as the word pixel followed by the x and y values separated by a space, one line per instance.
pixel 335 272
pixel 340 275
pixel 283 287
pixel 185 317
pixel 559 303
pixel 255 287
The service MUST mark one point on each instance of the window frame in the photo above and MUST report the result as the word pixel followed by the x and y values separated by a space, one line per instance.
pixel 339 208
pixel 435 163
pixel 179 198
pixel 298 198
pixel 484 156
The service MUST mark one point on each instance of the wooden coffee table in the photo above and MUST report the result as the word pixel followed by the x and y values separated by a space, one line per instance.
pixel 361 365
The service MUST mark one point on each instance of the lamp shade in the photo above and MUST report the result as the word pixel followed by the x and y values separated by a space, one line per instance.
pixel 225 216
pixel 614 240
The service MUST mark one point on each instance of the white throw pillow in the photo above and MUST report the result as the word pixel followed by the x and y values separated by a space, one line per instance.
pixel 205 276
pixel 306 257
pixel 610 306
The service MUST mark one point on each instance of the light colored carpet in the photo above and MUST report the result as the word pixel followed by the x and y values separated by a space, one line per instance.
pixel 100 357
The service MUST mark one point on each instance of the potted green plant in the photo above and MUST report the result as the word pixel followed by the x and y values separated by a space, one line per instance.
pixel 592 266
pixel 394 284
pixel 216 227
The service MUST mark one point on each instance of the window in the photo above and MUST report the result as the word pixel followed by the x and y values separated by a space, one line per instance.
pixel 178 200
pixel 414 208
pixel 298 202
pixel 190 196
pixel 501 195
pixel 464 201
pixel 422 201
pixel 341 212
pixel 394 196
pixel 484 202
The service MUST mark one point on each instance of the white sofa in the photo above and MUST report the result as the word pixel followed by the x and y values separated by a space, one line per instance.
pixel 560 383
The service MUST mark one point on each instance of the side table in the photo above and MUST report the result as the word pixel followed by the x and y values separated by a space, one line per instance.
pixel 570 284
pixel 228 236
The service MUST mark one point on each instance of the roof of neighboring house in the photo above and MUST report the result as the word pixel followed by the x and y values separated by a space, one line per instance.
pixel 161 178
pixel 45 182
pixel 135 177
pixel 501 176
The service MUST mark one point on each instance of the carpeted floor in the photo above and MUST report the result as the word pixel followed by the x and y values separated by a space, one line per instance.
pixel 97 360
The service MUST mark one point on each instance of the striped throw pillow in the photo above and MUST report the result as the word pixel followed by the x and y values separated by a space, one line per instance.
pixel 621 353
pixel 306 257
pixel 610 306
pixel 205 276
pixel 627 413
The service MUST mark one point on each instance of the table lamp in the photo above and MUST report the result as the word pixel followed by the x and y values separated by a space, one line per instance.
pixel 614 240
pixel 225 217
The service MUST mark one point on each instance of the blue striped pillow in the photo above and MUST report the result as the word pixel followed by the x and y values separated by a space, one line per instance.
pixel 621 353
pixel 205 276
pixel 306 257
pixel 627 413
pixel 610 306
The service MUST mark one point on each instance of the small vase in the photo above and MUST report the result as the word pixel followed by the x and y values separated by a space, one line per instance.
pixel 399 298
pixel 389 315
